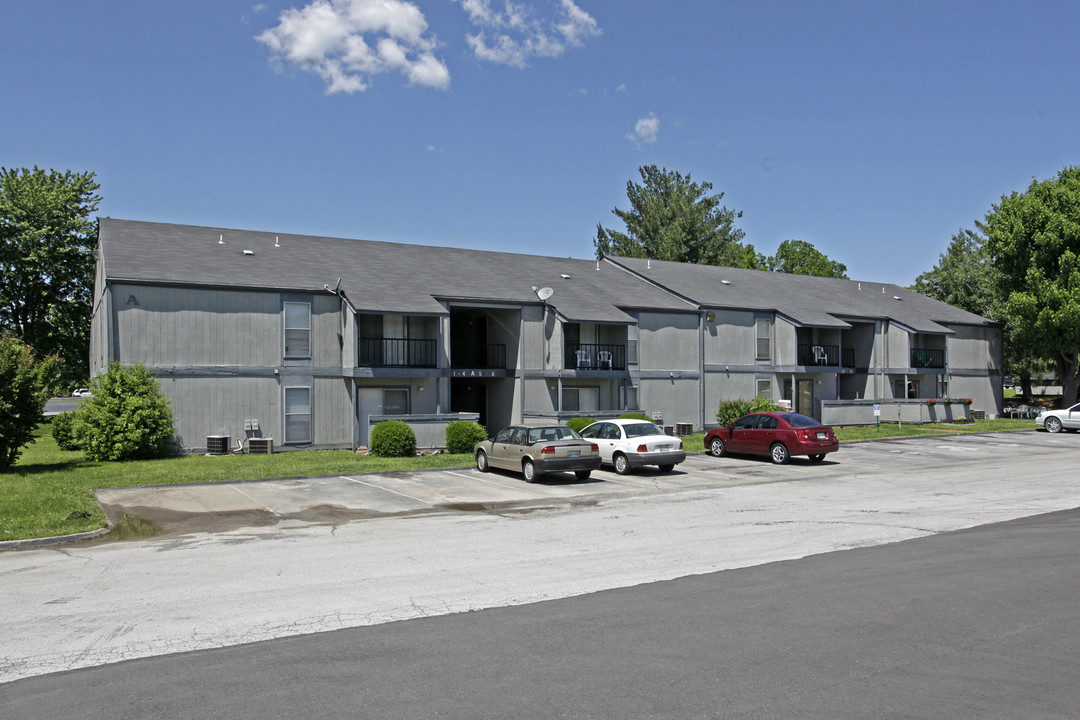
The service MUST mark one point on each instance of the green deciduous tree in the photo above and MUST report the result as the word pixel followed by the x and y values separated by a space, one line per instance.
pixel 964 277
pixel 127 418
pixel 1033 239
pixel 22 396
pixel 47 262
pixel 671 217
pixel 799 257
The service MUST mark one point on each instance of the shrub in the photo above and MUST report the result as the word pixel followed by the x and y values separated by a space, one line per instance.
pixel 126 419
pixel 462 436
pixel 63 431
pixel 636 416
pixel 22 396
pixel 393 438
pixel 579 423
pixel 731 410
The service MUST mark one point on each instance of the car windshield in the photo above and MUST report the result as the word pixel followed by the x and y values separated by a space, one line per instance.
pixel 557 432
pixel 800 420
pixel 640 429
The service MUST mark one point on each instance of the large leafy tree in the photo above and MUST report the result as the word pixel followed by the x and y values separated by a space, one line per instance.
pixel 22 396
pixel 47 262
pixel 799 257
pixel 671 217
pixel 1034 241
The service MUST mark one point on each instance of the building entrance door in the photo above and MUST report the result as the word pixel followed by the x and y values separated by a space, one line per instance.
pixel 804 397
pixel 469 395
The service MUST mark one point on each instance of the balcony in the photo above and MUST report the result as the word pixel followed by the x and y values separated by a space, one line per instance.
pixel 397 352
pixel 825 356
pixel 482 356
pixel 927 358
pixel 595 357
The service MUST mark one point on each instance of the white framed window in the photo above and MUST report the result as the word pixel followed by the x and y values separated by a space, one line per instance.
pixel 764 339
pixel 630 398
pixel 297 330
pixel 764 388
pixel 297 414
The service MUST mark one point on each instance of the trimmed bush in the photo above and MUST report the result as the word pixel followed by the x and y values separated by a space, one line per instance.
pixel 462 436
pixel 731 410
pixel 392 438
pixel 636 416
pixel 579 423
pixel 126 419
pixel 63 431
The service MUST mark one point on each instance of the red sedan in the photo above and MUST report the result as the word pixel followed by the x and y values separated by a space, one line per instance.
pixel 779 435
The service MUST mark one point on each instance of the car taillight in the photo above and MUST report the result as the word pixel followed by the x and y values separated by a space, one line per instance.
pixel 595 447
pixel 802 434
pixel 680 444
pixel 642 448
pixel 548 450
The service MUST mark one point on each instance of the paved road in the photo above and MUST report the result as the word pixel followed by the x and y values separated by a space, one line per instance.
pixel 979 623
pixel 78 606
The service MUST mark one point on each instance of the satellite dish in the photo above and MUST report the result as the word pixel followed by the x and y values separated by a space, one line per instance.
pixel 544 293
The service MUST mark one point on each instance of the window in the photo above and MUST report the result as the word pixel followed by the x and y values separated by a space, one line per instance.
pixel 763 339
pixel 630 398
pixel 764 388
pixel 581 399
pixel 297 330
pixel 298 415
pixel 395 401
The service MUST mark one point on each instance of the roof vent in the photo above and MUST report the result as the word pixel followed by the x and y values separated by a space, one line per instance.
pixel 564 276
pixel 276 243
pixel 249 252
pixel 221 240
pixel 725 282
pixel 896 297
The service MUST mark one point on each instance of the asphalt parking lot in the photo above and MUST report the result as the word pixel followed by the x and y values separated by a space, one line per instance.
pixel 160 510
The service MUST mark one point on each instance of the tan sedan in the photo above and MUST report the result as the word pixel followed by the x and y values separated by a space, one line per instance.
pixel 537 450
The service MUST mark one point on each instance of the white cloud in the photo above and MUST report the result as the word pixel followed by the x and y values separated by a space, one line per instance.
pixel 646 130
pixel 512 34
pixel 347 42
pixel 621 88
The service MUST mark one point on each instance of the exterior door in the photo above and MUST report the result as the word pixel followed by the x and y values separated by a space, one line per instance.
pixel 804 397
pixel 369 402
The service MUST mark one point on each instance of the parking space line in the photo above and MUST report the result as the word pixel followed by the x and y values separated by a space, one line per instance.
pixel 483 479
pixel 379 487
pixel 252 499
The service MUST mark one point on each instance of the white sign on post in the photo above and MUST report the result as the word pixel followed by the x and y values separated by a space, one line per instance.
pixel 877 410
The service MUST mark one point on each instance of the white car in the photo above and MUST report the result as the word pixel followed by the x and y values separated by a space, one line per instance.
pixel 81 392
pixel 627 444
pixel 1058 420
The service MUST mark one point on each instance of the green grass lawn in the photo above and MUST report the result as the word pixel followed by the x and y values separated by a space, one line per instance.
pixel 47 493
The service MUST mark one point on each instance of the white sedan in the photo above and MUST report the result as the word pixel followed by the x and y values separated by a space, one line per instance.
pixel 627 444
pixel 1058 420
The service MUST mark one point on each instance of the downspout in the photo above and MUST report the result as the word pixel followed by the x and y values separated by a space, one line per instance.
pixel 701 369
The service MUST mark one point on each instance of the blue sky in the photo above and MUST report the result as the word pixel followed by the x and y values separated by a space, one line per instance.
pixel 874 130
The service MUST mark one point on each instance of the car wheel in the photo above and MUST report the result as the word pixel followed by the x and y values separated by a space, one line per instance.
pixel 667 468
pixel 482 461
pixel 817 458
pixel 716 447
pixel 1053 424
pixel 529 471
pixel 583 474
pixel 779 453
pixel 622 465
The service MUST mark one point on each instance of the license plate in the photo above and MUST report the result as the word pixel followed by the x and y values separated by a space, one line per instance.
pixel 821 436
pixel 573 453
pixel 662 448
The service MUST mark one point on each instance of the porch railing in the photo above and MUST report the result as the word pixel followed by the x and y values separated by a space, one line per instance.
pixel 927 358
pixel 825 356
pixel 397 352
pixel 592 356
pixel 485 356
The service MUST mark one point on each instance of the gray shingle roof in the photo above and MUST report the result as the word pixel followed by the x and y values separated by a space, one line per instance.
pixel 809 301
pixel 375 276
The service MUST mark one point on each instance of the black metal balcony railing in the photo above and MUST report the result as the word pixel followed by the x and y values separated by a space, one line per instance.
pixel 483 356
pixel 397 352
pixel 595 357
pixel 927 358
pixel 825 356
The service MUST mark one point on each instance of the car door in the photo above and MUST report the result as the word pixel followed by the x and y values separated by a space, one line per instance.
pixel 742 434
pixel 501 448
pixel 607 436
pixel 765 434
pixel 1071 417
